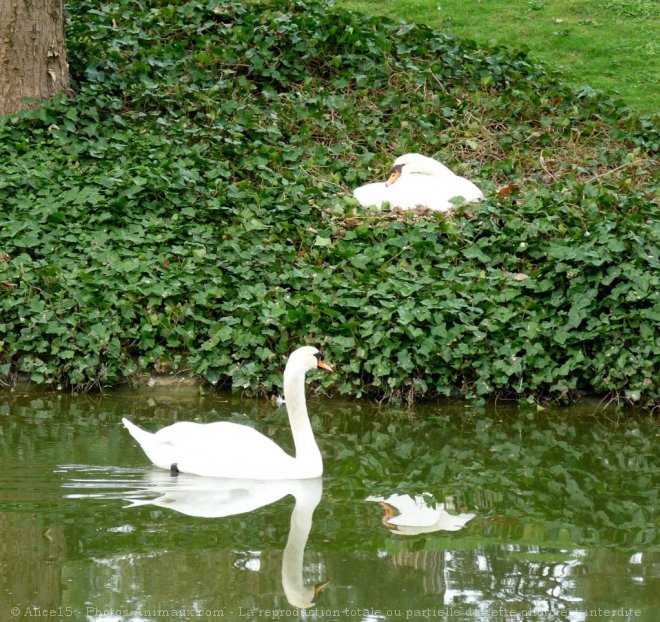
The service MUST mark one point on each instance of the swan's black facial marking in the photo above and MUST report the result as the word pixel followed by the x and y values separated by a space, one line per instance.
pixel 394 174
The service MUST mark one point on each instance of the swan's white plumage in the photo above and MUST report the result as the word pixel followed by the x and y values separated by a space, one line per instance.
pixel 422 182
pixel 407 515
pixel 225 449
pixel 210 448
pixel 215 498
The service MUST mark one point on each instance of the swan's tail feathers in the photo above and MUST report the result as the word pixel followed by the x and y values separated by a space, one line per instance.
pixel 134 503
pixel 140 435
pixel 161 454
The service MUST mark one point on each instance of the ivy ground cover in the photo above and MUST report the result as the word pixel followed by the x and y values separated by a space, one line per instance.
pixel 188 209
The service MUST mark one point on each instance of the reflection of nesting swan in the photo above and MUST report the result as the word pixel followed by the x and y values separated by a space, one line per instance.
pixel 216 498
pixel 408 516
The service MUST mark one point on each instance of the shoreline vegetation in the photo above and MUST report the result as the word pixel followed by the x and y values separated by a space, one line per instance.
pixel 189 210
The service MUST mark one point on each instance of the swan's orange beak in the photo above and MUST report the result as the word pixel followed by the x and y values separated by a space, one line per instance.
pixel 323 365
pixel 395 173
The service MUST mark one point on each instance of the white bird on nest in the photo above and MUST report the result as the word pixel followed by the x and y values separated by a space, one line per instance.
pixel 419 181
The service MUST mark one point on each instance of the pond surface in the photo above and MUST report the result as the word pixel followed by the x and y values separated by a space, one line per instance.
pixel 500 515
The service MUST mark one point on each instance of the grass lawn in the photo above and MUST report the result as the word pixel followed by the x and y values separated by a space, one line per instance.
pixel 607 44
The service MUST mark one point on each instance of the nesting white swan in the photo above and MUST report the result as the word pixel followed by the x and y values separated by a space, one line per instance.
pixel 226 449
pixel 418 181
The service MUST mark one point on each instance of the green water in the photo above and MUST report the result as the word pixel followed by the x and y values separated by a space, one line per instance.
pixel 564 525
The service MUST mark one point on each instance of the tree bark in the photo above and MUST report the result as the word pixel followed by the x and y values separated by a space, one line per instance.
pixel 33 63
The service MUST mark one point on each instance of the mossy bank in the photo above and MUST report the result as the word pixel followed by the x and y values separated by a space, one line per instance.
pixel 189 209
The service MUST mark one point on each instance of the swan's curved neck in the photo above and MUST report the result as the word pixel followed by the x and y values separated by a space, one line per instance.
pixel 307 451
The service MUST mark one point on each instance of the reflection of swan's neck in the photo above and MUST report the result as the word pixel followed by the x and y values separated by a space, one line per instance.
pixel 294 552
pixel 307 451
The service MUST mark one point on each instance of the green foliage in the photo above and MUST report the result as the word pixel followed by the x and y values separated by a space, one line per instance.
pixel 607 44
pixel 190 210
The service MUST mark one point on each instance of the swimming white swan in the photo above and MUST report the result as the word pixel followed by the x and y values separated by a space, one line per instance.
pixel 418 181
pixel 408 516
pixel 225 449
pixel 215 498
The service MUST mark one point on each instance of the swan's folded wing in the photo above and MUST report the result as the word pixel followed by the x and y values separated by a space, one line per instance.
pixel 221 449
pixel 221 435
pixel 406 193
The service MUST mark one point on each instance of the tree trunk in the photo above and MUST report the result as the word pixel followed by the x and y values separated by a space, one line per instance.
pixel 33 63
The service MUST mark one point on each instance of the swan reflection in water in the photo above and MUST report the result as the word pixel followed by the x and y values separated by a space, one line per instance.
pixel 210 497
pixel 406 515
